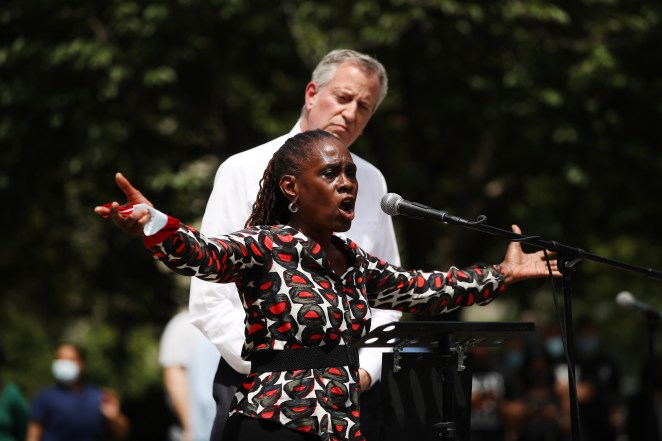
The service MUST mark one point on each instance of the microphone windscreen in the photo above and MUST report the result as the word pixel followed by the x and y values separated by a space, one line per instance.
pixel 625 298
pixel 390 203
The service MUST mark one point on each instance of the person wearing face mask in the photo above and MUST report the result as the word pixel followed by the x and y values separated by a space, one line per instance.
pixel 534 414
pixel 73 409
pixel 554 351
pixel 553 343
pixel 598 385
pixel 597 377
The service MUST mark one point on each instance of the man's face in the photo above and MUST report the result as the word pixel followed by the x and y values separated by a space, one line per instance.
pixel 344 105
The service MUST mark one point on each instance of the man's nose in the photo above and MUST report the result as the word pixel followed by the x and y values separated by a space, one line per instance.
pixel 349 112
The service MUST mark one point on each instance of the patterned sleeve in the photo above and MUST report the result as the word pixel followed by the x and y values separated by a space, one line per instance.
pixel 221 259
pixel 431 293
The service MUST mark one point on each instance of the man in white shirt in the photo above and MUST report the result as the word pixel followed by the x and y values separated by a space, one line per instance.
pixel 345 90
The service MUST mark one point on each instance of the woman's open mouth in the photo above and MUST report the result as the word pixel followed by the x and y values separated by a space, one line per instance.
pixel 347 209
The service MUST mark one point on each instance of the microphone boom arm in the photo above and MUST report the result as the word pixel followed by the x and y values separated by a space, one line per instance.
pixel 391 205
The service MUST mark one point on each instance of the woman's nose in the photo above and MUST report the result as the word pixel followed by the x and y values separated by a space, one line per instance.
pixel 345 182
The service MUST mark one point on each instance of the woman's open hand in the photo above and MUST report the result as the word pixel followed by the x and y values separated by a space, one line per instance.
pixel 518 265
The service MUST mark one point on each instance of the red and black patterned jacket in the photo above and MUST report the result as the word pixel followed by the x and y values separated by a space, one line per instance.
pixel 293 299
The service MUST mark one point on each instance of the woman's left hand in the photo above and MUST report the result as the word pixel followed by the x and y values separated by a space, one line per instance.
pixel 518 265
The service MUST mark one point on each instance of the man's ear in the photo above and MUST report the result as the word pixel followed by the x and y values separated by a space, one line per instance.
pixel 288 185
pixel 310 95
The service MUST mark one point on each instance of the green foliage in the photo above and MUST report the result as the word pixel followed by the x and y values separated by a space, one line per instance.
pixel 535 112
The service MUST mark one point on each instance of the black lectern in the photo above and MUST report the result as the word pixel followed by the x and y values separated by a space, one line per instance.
pixel 426 393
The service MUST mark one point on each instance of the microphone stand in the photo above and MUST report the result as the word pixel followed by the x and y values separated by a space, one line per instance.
pixel 566 267
pixel 568 258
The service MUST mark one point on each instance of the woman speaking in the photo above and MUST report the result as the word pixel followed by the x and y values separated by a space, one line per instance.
pixel 307 292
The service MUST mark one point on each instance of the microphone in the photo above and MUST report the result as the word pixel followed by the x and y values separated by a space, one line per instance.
pixel 627 300
pixel 393 204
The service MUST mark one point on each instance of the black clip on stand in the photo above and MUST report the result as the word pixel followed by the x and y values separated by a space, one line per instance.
pixel 447 429
pixel 569 259
pixel 447 338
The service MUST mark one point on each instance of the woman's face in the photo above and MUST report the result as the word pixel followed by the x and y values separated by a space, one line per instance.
pixel 326 190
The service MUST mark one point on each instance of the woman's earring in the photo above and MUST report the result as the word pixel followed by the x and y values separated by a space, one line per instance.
pixel 293 208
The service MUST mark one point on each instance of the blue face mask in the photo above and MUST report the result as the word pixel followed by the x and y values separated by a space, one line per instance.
pixel 513 359
pixel 588 345
pixel 65 371
pixel 554 347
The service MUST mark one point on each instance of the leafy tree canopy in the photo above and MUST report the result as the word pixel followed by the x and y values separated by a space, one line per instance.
pixel 540 113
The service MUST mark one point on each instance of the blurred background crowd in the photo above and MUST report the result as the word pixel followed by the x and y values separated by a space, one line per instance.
pixel 519 392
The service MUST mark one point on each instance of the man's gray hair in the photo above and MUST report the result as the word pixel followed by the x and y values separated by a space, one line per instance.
pixel 327 66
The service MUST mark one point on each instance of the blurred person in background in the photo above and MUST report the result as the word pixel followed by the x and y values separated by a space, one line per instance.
pixel 487 396
pixel 598 382
pixel 555 351
pixel 598 385
pixel 72 409
pixel 535 415
pixel 201 371
pixel 174 356
pixel 14 409
pixel 644 416
pixel 189 362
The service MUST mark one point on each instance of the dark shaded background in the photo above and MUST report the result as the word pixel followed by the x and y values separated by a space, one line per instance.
pixel 545 114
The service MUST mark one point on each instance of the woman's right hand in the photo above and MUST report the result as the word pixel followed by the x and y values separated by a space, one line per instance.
pixel 133 223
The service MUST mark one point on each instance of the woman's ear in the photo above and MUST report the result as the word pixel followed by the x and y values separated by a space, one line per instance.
pixel 288 185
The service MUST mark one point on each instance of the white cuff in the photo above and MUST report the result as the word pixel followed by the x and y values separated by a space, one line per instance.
pixel 156 222
pixel 370 360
